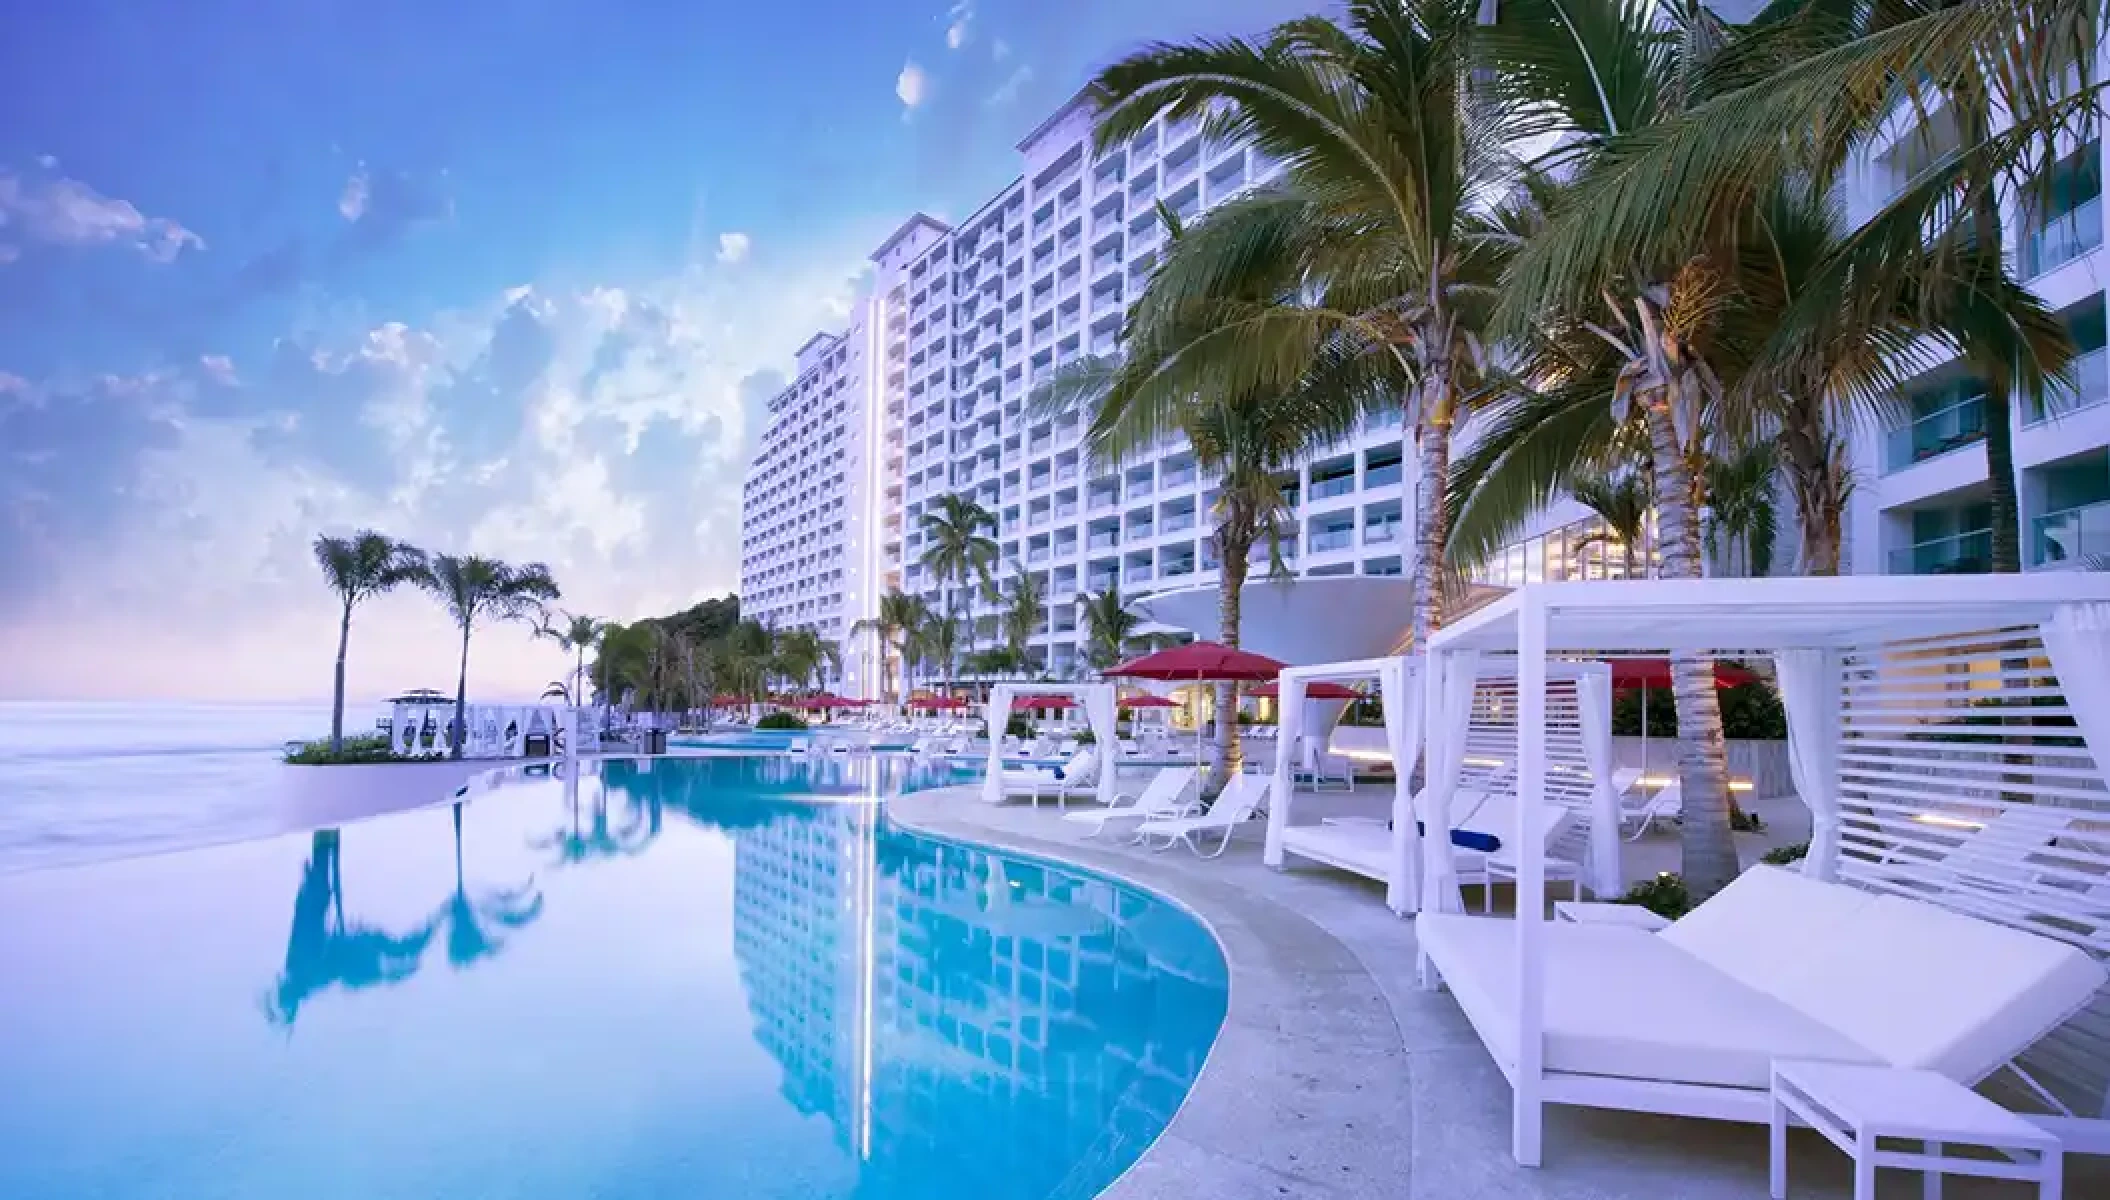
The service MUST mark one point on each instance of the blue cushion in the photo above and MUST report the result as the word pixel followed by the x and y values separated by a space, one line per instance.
pixel 1470 839
pixel 1058 772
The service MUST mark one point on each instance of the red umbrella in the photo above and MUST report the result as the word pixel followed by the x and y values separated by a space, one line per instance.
pixel 727 700
pixel 1317 689
pixel 938 702
pixel 1147 701
pixel 1630 673
pixel 827 700
pixel 1199 661
pixel 1049 703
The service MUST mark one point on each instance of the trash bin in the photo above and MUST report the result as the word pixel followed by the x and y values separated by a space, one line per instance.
pixel 655 741
pixel 536 745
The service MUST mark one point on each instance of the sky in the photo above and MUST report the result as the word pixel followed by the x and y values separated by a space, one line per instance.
pixel 505 277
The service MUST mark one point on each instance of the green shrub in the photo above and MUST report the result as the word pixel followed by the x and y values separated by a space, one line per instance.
pixel 781 720
pixel 1665 896
pixel 1017 726
pixel 1781 856
pixel 1086 737
pixel 1749 713
pixel 362 748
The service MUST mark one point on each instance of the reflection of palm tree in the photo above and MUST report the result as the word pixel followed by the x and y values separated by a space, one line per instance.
pixel 321 949
pixel 603 839
pixel 474 926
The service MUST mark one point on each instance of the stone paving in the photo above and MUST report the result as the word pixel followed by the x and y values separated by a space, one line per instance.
pixel 1336 1075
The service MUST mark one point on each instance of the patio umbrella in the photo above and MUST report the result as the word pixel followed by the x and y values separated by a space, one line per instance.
pixel 1048 703
pixel 1317 689
pixel 1645 673
pixel 1146 701
pixel 1200 662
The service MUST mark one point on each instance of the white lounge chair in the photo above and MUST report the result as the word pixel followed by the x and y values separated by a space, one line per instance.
pixel 1668 804
pixel 1168 794
pixel 1234 806
pixel 1777 965
pixel 1077 777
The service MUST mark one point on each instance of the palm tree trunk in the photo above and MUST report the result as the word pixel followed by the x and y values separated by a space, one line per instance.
pixel 1429 526
pixel 2000 478
pixel 1707 851
pixel 1819 506
pixel 344 637
pixel 1230 588
pixel 461 700
pixel 578 678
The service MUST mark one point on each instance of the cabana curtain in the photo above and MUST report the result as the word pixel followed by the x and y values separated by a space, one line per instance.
pixel 1402 703
pixel 1810 684
pixel 1593 696
pixel 1450 719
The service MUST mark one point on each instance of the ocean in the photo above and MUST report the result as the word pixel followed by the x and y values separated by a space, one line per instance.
pixel 91 780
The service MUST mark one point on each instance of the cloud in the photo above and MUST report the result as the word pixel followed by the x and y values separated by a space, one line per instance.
pixel 383 206
pixel 912 86
pixel 220 369
pixel 1007 91
pixel 1000 50
pixel 960 20
pixel 351 202
pixel 733 247
pixel 48 208
pixel 604 429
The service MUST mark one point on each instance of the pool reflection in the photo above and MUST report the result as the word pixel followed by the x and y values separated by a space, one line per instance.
pixel 323 950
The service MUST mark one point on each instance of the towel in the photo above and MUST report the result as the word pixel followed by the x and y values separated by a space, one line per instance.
pixel 1469 839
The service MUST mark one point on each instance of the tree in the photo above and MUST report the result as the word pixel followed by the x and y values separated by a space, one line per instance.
pixel 804 657
pixel 359 568
pixel 959 549
pixel 1367 274
pixel 577 634
pixel 1622 502
pixel 477 590
pixel 1025 612
pixel 1741 519
pixel 936 640
pixel 1108 624
pixel 898 614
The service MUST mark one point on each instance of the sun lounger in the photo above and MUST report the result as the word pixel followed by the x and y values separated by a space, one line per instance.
pixel 1240 799
pixel 1168 794
pixel 1777 965
pixel 1077 777
pixel 1668 804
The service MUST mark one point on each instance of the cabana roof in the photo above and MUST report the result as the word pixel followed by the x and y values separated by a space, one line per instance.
pixel 1763 614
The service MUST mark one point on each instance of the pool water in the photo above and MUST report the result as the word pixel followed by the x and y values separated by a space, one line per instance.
pixel 708 977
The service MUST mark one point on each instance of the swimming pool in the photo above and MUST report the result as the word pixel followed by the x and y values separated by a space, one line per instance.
pixel 711 977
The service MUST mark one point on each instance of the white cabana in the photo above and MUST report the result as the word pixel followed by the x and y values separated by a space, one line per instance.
pixel 494 730
pixel 1097 700
pixel 1949 740
pixel 1389 856
pixel 1480 729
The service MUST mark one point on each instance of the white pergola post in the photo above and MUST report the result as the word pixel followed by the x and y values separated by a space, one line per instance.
pixel 1402 706
pixel 1812 693
pixel 1527 1114
pixel 1593 698
pixel 996 715
pixel 1290 705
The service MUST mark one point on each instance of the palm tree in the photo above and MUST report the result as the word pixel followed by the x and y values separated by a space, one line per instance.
pixel 1372 260
pixel 1742 521
pixel 1251 440
pixel 1025 611
pixel 1108 624
pixel 1623 503
pixel 474 589
pixel 898 614
pixel 960 548
pixel 358 568
pixel 936 640
pixel 805 657
pixel 577 634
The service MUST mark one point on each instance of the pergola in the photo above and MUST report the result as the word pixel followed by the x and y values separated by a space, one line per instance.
pixel 1097 699
pixel 1475 710
pixel 1950 739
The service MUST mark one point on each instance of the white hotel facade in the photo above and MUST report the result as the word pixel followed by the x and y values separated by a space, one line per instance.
pixel 924 393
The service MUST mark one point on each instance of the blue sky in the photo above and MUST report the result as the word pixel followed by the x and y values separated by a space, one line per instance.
pixel 502 277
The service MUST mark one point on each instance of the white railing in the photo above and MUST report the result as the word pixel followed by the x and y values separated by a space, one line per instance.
pixel 2071 535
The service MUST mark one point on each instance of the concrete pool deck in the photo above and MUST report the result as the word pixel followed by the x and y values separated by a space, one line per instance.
pixel 1336 1075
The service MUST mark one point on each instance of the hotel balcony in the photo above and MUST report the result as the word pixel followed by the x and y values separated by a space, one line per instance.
pixel 2091 386
pixel 1951 427
pixel 1967 553
pixel 2065 538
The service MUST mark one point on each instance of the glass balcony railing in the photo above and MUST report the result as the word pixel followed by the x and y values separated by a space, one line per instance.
pixel 1958 554
pixel 1377 477
pixel 1137 575
pixel 2070 535
pixel 1179 523
pixel 1332 539
pixel 1381 533
pixel 1103 541
pixel 2063 238
pixel 1322 489
pixel 2091 386
pixel 1177 569
pixel 1945 429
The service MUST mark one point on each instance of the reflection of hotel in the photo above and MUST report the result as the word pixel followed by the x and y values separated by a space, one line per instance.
pixel 904 984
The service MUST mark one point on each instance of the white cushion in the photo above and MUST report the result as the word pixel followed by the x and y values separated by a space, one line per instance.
pixel 1927 987
pixel 1625 1002
pixel 1365 849
pixel 1768 925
